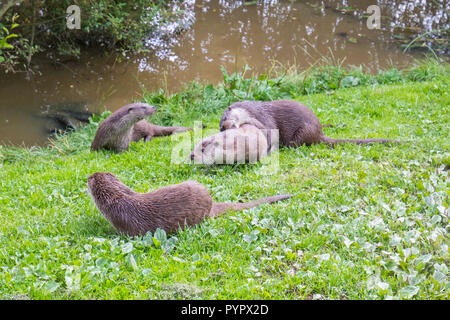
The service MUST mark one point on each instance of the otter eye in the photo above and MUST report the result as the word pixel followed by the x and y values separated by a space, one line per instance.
pixel 203 149
pixel 129 110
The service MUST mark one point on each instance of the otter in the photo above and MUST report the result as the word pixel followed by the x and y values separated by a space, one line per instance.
pixel 128 124
pixel 296 124
pixel 170 208
pixel 238 145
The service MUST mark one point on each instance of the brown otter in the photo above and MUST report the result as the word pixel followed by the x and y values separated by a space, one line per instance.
pixel 296 123
pixel 238 145
pixel 169 208
pixel 127 124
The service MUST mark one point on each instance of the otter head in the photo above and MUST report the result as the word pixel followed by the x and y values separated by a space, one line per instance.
pixel 234 119
pixel 98 181
pixel 221 148
pixel 206 151
pixel 229 124
pixel 134 112
pixel 104 187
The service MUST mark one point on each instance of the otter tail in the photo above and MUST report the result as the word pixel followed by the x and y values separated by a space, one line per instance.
pixel 166 131
pixel 331 141
pixel 219 208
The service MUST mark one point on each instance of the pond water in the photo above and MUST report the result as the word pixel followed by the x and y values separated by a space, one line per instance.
pixel 222 33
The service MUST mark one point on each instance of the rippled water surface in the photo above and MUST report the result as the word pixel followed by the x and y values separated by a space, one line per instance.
pixel 228 33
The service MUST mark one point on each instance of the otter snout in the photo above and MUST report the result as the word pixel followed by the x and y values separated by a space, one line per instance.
pixel 192 156
pixel 150 109
pixel 229 124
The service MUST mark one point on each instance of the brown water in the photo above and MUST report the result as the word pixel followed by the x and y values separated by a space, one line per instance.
pixel 228 33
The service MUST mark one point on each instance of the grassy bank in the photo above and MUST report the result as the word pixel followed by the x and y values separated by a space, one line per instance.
pixel 367 222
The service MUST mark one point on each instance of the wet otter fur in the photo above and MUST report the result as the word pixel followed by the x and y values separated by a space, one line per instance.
pixel 237 145
pixel 128 124
pixel 296 123
pixel 170 208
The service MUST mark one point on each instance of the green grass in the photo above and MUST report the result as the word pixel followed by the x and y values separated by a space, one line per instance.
pixel 367 222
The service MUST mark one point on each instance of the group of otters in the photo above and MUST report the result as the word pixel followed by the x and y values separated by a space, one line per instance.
pixel 173 207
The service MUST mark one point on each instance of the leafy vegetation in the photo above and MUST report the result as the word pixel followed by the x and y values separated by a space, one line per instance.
pixel 107 25
pixel 367 222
